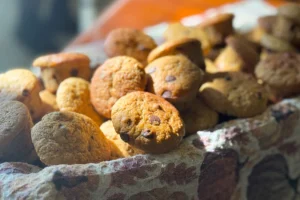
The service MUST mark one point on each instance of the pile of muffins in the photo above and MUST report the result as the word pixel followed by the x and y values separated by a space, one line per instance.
pixel 146 98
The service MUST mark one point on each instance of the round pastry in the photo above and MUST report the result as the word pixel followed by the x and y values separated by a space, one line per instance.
pixel 239 55
pixel 48 102
pixel 199 117
pixel 191 48
pixel 174 78
pixel 290 11
pixel 177 31
pixel 15 139
pixel 218 27
pixel 235 94
pixel 69 138
pixel 274 44
pixel 287 30
pixel 280 72
pixel 22 85
pixel 129 42
pixel 124 148
pixel 57 67
pixel 73 95
pixel 114 79
pixel 148 122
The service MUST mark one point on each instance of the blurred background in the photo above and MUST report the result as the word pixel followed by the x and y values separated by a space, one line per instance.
pixel 34 27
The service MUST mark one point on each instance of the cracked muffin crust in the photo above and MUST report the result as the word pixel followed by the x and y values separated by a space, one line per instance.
pixel 189 47
pixel 148 122
pixel 69 138
pixel 174 78
pixel 57 67
pixel 15 139
pixel 129 42
pixel 235 94
pixel 22 85
pixel 280 72
pixel 115 78
pixel 73 95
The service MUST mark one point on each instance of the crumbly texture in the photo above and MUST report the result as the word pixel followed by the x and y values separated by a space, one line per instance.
pixel 189 47
pixel 124 149
pixel 287 30
pixel 280 72
pixel 174 78
pixel 237 56
pixel 218 27
pixel 15 139
pixel 275 44
pixel 148 122
pixel 22 85
pixel 235 94
pixel 48 102
pixel 129 42
pixel 177 31
pixel 73 95
pixel 69 138
pixel 115 78
pixel 199 117
pixel 290 11
pixel 57 67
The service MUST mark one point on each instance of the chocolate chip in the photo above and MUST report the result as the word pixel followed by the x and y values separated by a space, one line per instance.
pixel 170 78
pixel 124 137
pixel 74 72
pixel 227 78
pixel 128 122
pixel 167 94
pixel 151 70
pixel 147 134
pixel 25 93
pixel 154 120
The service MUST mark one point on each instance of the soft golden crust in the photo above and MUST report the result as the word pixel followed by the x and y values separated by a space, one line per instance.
pixel 57 67
pixel 61 60
pixel 15 126
pixel 280 72
pixel 189 47
pixel 239 55
pixel 175 78
pixel 199 117
pixel 69 138
pixel 147 122
pixel 48 101
pixel 177 31
pixel 22 85
pixel 114 79
pixel 129 42
pixel 73 95
pixel 236 94
pixel 218 27
pixel 124 149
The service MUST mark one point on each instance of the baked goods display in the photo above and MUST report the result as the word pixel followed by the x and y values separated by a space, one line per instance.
pixel 146 97
pixel 153 114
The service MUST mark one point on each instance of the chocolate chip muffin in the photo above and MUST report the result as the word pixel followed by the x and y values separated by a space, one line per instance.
pixel 235 94
pixel 57 67
pixel 174 78
pixel 148 122
pixel 129 42
pixel 115 78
